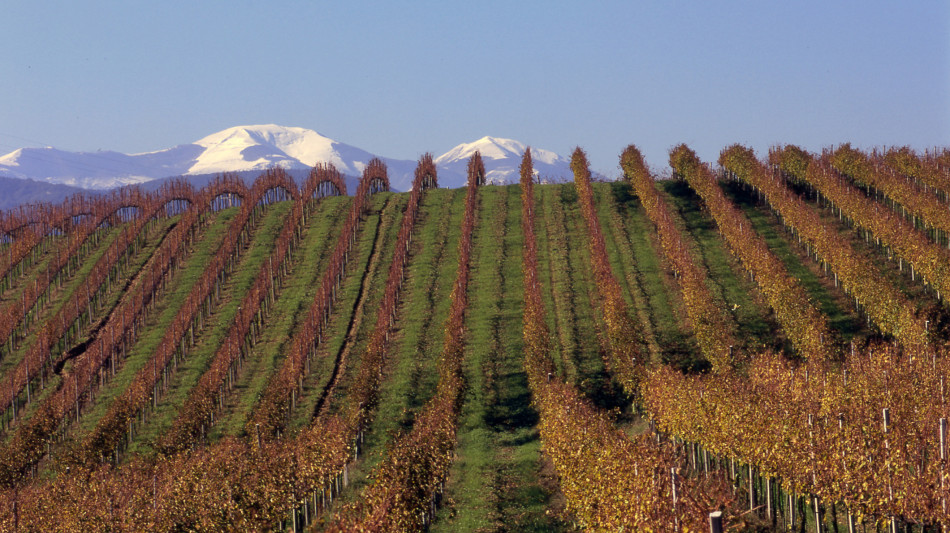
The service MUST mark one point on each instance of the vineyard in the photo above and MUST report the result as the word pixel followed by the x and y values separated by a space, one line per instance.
pixel 761 343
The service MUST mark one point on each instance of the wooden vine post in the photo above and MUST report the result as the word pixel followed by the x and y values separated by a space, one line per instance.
pixel 811 439
pixel 751 490
pixel 673 476
pixel 715 522
pixel 943 463
pixel 887 458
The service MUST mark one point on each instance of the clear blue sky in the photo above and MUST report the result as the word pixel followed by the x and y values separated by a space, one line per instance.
pixel 406 78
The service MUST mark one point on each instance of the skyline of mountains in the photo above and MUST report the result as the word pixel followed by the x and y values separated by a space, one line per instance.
pixel 246 149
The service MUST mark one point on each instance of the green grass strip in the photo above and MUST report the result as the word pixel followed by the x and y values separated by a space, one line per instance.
pixel 307 265
pixel 498 481
pixel 159 319
pixel 216 327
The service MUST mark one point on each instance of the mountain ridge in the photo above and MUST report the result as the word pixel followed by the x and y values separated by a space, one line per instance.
pixel 257 147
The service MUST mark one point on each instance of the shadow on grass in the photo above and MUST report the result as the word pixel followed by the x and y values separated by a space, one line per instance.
pixel 513 409
pixel 842 321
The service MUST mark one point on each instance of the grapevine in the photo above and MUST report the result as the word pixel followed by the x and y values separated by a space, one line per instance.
pixel 711 325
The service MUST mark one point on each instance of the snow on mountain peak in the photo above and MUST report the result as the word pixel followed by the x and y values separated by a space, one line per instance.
pixel 502 159
pixel 489 147
pixel 299 143
pixel 258 147
pixel 499 148
pixel 12 159
pixel 262 146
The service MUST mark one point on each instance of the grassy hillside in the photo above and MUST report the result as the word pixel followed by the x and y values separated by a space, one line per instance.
pixel 500 478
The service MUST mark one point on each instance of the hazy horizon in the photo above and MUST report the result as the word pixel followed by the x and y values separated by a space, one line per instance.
pixel 403 80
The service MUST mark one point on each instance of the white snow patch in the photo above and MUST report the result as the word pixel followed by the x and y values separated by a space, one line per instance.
pixel 258 147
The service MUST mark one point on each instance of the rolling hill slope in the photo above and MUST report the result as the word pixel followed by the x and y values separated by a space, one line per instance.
pixel 258 356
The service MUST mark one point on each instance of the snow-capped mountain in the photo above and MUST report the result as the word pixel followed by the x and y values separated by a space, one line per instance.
pixel 92 170
pixel 502 160
pixel 238 149
pixel 259 147
pixel 255 148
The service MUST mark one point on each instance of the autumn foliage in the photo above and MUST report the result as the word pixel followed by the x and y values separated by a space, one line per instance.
pixel 405 484
pixel 625 354
pixel 803 323
pixel 610 481
pixel 899 235
pixel 709 321
pixel 884 304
